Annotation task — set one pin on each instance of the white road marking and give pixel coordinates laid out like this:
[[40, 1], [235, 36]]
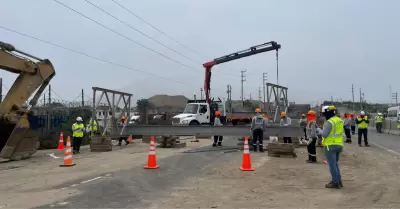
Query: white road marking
[[74, 185], [387, 149], [53, 156], [93, 179], [62, 203], [108, 175]]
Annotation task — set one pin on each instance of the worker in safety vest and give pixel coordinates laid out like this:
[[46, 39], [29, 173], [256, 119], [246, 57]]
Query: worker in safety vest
[[347, 127], [77, 134], [379, 122], [258, 126], [362, 125], [398, 121], [217, 122], [303, 124], [333, 145], [352, 124], [286, 121], [92, 129], [311, 131]]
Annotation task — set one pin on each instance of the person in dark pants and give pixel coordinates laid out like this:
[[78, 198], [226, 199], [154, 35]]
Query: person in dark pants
[[362, 125], [286, 121], [352, 124], [347, 127], [258, 125], [217, 122], [303, 124], [379, 121], [311, 129], [77, 134]]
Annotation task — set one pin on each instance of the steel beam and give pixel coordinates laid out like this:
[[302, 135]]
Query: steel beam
[[182, 130]]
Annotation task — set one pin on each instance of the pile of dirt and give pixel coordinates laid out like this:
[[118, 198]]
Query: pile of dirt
[[168, 101]]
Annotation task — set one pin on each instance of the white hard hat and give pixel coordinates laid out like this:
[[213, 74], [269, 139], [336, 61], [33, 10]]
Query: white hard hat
[[79, 119], [325, 108], [362, 113], [379, 113]]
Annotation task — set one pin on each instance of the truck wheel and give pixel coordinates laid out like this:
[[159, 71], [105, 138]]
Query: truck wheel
[[194, 123], [235, 122]]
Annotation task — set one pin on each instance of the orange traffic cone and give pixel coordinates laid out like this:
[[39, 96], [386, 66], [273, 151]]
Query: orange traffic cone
[[68, 155], [246, 161], [61, 142], [130, 139], [151, 159]]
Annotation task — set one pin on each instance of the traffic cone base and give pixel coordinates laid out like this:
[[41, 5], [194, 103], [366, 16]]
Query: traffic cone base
[[68, 165]]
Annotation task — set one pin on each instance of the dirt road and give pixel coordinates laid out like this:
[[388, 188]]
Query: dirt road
[[204, 180]]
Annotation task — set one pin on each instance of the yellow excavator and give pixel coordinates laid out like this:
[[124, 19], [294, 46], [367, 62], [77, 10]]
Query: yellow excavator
[[17, 139]]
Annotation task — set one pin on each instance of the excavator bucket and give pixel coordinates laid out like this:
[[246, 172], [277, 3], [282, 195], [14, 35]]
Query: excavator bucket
[[17, 139]]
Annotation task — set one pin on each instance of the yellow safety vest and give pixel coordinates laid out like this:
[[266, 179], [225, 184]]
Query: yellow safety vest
[[379, 119], [398, 125], [94, 128], [335, 136], [78, 133], [363, 124]]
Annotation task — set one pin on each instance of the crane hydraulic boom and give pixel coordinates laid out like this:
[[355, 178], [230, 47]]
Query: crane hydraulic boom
[[17, 140], [234, 56]]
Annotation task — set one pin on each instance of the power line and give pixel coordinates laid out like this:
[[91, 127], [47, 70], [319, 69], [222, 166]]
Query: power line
[[126, 37], [137, 30], [92, 57], [155, 28]]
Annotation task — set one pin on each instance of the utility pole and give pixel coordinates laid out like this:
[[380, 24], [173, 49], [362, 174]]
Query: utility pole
[[201, 93], [83, 99], [361, 100], [265, 75], [242, 79], [259, 96], [352, 92], [277, 68], [49, 94], [229, 92], [390, 90], [1, 90], [395, 98]]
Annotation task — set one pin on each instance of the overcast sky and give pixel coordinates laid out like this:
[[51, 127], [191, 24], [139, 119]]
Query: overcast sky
[[326, 45]]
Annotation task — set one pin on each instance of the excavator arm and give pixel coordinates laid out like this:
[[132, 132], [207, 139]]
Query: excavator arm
[[34, 75]]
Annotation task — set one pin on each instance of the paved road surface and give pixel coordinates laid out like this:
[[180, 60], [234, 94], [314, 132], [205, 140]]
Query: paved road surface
[[385, 141]]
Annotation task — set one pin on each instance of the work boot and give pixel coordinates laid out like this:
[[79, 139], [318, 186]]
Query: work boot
[[214, 144], [331, 185], [359, 145], [367, 145], [219, 144], [255, 148], [261, 148], [340, 184]]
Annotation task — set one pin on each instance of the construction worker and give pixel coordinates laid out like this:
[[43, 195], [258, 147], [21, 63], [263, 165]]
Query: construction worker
[[217, 122], [92, 129], [362, 125], [333, 145], [303, 124], [77, 134], [286, 121], [352, 124], [347, 127], [123, 119], [258, 126], [378, 122], [311, 131]]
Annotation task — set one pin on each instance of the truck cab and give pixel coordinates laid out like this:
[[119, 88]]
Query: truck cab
[[199, 112]]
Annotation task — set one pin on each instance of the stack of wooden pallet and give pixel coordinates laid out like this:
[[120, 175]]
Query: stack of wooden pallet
[[277, 149]]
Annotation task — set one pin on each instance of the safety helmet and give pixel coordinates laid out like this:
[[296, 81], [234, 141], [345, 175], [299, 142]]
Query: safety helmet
[[79, 119], [303, 115], [362, 113], [283, 114], [258, 110], [379, 113], [311, 112], [217, 113]]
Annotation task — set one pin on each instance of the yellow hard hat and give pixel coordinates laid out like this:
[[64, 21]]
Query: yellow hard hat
[[258, 110]]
